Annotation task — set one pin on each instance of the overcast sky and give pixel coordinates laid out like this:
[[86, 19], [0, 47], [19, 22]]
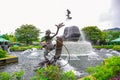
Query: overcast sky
[[44, 14]]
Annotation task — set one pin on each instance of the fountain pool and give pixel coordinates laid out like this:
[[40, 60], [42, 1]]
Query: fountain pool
[[28, 60], [79, 63], [76, 56]]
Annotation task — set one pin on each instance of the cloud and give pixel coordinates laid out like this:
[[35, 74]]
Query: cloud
[[113, 14], [116, 12]]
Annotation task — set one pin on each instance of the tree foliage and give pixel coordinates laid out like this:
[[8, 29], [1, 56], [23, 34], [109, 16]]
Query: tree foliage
[[92, 33], [27, 33], [107, 36], [2, 53], [113, 34], [10, 37]]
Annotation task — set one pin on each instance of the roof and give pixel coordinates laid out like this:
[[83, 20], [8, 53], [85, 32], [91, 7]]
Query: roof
[[3, 40], [116, 40]]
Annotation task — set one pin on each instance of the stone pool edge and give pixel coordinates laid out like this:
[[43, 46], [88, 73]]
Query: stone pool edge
[[9, 59]]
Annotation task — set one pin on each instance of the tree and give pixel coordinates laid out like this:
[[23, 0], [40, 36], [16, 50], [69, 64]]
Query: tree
[[10, 37], [92, 33], [27, 33], [111, 35], [6, 36]]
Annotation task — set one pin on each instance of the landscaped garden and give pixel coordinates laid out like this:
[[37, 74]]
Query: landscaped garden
[[109, 68]]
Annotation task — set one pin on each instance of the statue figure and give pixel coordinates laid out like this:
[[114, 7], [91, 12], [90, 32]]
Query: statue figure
[[58, 48], [48, 40], [68, 14]]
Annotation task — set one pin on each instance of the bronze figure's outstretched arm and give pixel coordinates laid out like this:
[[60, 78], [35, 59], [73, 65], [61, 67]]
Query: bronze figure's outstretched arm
[[58, 27]]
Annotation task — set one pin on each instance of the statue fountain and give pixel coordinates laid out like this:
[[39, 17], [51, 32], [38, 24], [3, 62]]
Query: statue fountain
[[71, 48], [70, 53], [75, 54]]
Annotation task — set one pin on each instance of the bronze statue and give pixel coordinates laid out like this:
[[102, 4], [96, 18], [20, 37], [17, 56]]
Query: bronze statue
[[68, 14], [48, 39], [58, 48]]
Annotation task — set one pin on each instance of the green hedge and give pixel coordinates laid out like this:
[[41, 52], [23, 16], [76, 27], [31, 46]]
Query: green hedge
[[2, 53], [109, 68], [22, 48], [104, 46], [114, 47]]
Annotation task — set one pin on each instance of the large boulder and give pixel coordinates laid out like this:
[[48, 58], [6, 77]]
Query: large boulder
[[71, 33]]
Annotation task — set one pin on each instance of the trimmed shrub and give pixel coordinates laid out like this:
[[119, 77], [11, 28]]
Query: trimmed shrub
[[53, 73], [104, 46], [2, 53], [116, 48], [109, 68], [22, 48], [13, 76]]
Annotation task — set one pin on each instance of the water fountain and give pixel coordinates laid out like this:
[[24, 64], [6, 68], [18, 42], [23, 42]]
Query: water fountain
[[79, 58], [76, 55], [80, 50]]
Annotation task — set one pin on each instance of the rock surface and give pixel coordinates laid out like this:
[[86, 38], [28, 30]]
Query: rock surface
[[71, 33]]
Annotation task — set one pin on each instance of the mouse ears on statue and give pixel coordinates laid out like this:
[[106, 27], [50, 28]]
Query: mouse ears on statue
[[48, 31]]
